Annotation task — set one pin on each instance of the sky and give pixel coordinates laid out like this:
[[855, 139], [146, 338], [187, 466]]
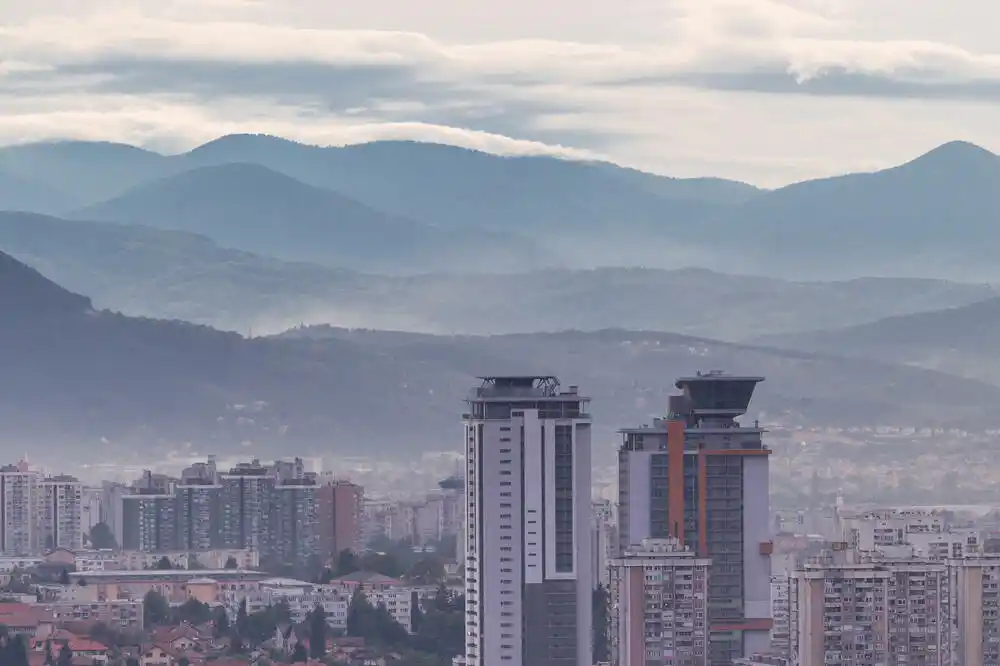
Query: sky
[[765, 91]]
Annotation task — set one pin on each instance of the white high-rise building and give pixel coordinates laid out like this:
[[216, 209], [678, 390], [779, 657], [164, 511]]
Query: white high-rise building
[[60, 513], [528, 533], [659, 605], [18, 488]]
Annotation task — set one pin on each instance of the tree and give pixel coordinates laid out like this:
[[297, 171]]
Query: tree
[[193, 611], [221, 622], [317, 632], [50, 660], [426, 571], [600, 601], [102, 538], [416, 614], [299, 654], [360, 616], [155, 609], [183, 661], [235, 644], [64, 577], [242, 619], [164, 564], [231, 563], [347, 563], [383, 563], [65, 656]]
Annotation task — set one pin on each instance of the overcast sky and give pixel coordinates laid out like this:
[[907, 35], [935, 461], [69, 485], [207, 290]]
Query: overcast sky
[[767, 91]]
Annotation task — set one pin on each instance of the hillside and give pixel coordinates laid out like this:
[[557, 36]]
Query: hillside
[[20, 193], [175, 275], [74, 377], [961, 340], [934, 215], [252, 208]]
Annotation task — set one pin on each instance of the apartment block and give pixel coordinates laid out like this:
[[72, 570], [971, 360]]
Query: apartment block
[[701, 477], [659, 602], [246, 495], [871, 609], [928, 532], [18, 490], [199, 514], [975, 583], [296, 522], [59, 513], [149, 522], [339, 513]]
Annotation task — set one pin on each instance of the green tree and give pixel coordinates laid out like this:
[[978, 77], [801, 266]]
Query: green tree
[[600, 601], [231, 563], [221, 621], [64, 577], [183, 661], [65, 656], [347, 563], [317, 632], [155, 609], [360, 616], [389, 632], [426, 571], [164, 564], [102, 538], [299, 654], [416, 613], [193, 611], [16, 651], [242, 619], [383, 563]]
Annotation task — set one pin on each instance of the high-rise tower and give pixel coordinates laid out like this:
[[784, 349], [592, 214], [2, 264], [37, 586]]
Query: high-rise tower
[[528, 502], [701, 477]]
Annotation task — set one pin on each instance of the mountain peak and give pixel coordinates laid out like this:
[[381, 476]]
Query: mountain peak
[[955, 153], [25, 292]]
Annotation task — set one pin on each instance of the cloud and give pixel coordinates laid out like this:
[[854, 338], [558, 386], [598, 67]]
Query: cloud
[[170, 73]]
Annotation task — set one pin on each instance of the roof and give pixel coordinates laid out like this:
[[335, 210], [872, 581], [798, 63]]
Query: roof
[[80, 644], [367, 577], [139, 574]]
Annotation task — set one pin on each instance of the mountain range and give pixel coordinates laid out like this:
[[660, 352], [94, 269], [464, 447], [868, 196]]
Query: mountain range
[[169, 274], [464, 211], [79, 376]]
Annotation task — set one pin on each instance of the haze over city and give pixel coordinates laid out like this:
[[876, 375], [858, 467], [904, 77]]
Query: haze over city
[[499, 334]]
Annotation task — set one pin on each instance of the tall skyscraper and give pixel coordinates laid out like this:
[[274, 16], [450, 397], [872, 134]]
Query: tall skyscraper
[[528, 581], [701, 477], [659, 605], [149, 521], [975, 585], [18, 488], [59, 512], [339, 511], [199, 512]]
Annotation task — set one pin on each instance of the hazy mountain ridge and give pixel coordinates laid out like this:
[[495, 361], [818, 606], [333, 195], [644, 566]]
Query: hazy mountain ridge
[[84, 376], [250, 207], [929, 217], [176, 275], [961, 340]]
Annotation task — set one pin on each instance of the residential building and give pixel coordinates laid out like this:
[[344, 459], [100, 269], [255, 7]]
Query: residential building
[[701, 477], [246, 494], [659, 602], [120, 614], [18, 490], [339, 512], [528, 578], [296, 522], [111, 507], [59, 513], [149, 522], [975, 580], [199, 514], [870, 609], [927, 531]]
